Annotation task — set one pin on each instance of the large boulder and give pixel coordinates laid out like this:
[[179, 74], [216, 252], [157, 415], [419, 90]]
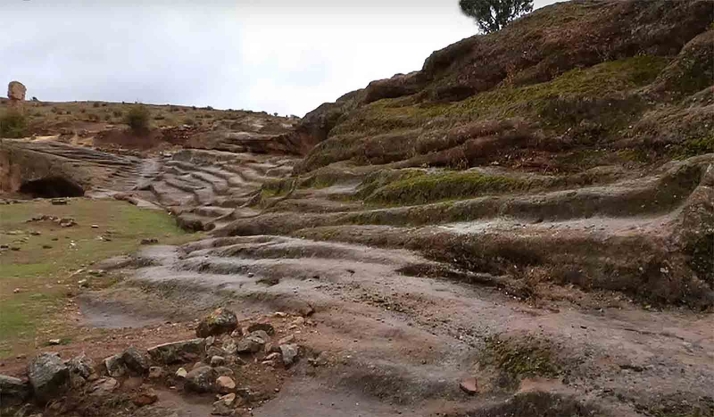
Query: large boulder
[[202, 379], [220, 321], [16, 91], [178, 352], [13, 391], [48, 376]]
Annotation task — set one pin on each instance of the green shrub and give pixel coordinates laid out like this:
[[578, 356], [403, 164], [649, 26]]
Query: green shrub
[[13, 124], [138, 119]]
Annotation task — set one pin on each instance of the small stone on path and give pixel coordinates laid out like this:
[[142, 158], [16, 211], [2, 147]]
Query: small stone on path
[[469, 386]]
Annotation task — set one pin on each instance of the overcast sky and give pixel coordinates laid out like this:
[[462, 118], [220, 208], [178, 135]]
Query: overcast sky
[[285, 56]]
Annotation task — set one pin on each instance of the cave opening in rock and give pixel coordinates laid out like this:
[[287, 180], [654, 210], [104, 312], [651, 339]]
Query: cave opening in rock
[[51, 187]]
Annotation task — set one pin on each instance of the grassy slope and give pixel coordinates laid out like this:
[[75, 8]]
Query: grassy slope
[[32, 316]]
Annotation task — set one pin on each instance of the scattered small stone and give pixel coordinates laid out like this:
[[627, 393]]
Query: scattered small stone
[[94, 226], [35, 233], [156, 372], [136, 360], [289, 353], [115, 366], [319, 360], [15, 249], [81, 365], [16, 290], [181, 373], [218, 361], [210, 340], [225, 384], [287, 340], [46, 246], [54, 342], [266, 327], [104, 386], [201, 380], [213, 351], [272, 356], [58, 202], [229, 347], [151, 241], [224, 371], [220, 321], [280, 314], [469, 386], [68, 222], [220, 408], [237, 332], [147, 397], [229, 399], [83, 283], [178, 352], [261, 334], [250, 344], [4, 246]]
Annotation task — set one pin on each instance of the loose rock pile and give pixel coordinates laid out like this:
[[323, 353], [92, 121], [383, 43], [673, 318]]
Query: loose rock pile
[[208, 364]]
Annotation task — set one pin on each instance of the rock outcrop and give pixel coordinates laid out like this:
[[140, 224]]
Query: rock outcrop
[[16, 93]]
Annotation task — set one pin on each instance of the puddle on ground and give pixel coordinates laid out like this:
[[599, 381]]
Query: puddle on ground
[[106, 316]]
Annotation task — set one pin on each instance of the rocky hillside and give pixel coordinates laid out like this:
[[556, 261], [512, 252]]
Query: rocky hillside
[[102, 125], [524, 227], [599, 114], [569, 87]]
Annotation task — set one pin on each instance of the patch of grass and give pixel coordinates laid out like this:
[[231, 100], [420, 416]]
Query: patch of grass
[[518, 358], [607, 79], [384, 177], [41, 270], [694, 147], [422, 189]]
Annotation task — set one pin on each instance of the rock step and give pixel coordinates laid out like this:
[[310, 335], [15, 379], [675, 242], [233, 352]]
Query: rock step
[[213, 211], [218, 184], [195, 222], [171, 196]]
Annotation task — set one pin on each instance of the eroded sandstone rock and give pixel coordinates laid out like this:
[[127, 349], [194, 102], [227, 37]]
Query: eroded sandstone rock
[[16, 91], [201, 380]]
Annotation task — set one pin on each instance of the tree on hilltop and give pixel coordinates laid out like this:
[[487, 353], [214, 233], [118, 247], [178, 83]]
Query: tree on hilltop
[[493, 15]]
